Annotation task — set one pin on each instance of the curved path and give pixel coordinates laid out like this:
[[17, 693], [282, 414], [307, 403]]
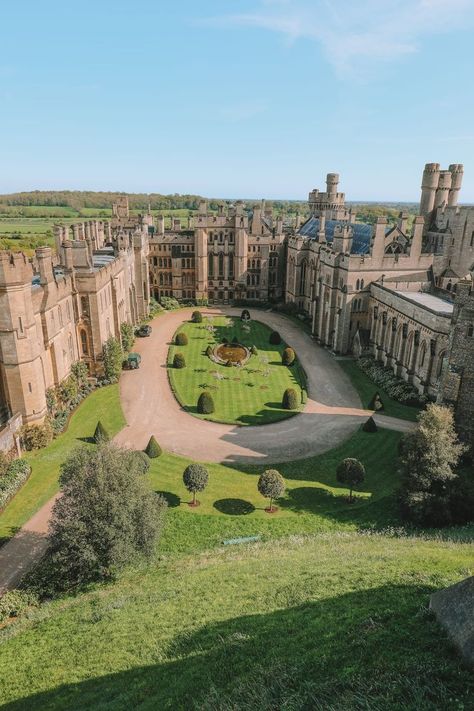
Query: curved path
[[332, 413]]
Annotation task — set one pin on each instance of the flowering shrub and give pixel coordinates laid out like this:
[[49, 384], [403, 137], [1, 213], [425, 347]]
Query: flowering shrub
[[393, 385], [17, 473]]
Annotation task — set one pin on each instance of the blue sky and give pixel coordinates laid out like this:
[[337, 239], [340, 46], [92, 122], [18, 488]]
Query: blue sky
[[248, 98]]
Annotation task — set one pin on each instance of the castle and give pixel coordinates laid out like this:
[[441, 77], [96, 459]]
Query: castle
[[402, 296]]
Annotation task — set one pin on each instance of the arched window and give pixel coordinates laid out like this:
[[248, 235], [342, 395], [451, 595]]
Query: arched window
[[211, 265], [470, 331], [231, 265], [439, 369], [84, 306], [221, 264], [248, 279], [357, 285], [361, 283], [422, 355], [161, 279], [84, 344]]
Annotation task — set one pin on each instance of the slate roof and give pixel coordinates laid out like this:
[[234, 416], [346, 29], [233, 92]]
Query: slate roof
[[361, 233]]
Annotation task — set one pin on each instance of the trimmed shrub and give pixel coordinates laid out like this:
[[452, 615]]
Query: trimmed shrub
[[245, 315], [225, 341], [304, 397], [350, 472], [376, 403], [168, 303], [179, 360], [205, 403], [127, 336], [143, 462], [196, 317], [271, 485], [229, 364], [209, 351], [235, 340], [254, 350], [195, 478], [36, 436], [369, 425], [15, 476], [100, 434], [14, 602], [275, 338], [290, 399], [153, 449], [113, 357], [181, 339], [288, 356]]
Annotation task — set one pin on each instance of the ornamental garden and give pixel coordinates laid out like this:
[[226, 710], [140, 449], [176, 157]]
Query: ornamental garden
[[236, 371]]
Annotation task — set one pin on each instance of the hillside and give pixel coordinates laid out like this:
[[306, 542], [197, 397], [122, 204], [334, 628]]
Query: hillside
[[335, 621]]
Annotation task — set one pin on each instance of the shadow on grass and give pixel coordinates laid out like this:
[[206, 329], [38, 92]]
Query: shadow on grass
[[173, 500], [234, 507], [87, 440], [287, 658]]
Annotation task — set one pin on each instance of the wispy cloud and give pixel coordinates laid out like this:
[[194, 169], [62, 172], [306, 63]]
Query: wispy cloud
[[356, 34]]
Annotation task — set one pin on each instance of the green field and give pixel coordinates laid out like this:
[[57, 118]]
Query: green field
[[103, 404], [367, 389], [250, 395]]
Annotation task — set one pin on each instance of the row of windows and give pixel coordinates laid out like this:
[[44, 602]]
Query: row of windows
[[220, 265]]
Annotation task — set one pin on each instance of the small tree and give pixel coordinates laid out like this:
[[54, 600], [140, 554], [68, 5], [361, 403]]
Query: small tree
[[153, 449], [350, 472], [113, 358], [288, 356], [369, 425], [254, 350], [428, 459], [197, 317], [290, 399], [106, 516], [195, 478], [275, 338], [271, 485], [209, 351], [376, 403], [205, 403], [181, 339], [127, 336], [179, 360], [245, 315], [101, 435]]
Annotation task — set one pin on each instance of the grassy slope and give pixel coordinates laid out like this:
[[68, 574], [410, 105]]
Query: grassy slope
[[245, 396], [367, 388], [337, 621], [103, 404]]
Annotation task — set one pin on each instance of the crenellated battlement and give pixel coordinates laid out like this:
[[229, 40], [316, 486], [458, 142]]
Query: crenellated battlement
[[15, 269]]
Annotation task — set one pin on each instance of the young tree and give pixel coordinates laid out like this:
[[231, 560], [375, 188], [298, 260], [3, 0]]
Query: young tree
[[195, 478], [106, 516], [113, 357], [271, 485], [127, 336], [350, 472], [428, 458]]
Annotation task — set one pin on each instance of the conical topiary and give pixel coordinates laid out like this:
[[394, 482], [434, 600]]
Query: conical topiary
[[205, 403], [153, 449], [376, 403], [101, 434], [179, 360], [369, 425], [290, 399]]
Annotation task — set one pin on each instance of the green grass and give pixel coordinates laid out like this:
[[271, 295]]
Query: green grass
[[367, 389], [330, 622], [103, 404], [244, 395]]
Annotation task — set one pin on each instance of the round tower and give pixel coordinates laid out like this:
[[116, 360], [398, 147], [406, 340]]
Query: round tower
[[444, 187], [429, 186], [332, 181], [457, 172]]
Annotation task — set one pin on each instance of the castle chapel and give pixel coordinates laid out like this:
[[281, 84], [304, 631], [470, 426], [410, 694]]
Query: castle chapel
[[403, 296]]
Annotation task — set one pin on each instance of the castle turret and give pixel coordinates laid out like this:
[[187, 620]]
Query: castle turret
[[444, 188], [429, 186], [417, 236], [332, 181], [457, 172]]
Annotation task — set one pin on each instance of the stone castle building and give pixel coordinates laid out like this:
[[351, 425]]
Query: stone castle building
[[386, 291]]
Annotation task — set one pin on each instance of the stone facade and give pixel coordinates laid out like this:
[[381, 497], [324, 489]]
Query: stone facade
[[58, 309]]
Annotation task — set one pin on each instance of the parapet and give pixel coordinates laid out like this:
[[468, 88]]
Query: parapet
[[15, 268]]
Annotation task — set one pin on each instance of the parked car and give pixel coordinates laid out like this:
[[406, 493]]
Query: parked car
[[132, 362], [144, 331]]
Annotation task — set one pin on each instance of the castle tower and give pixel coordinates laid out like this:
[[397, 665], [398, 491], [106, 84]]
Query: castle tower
[[429, 186], [444, 188], [457, 172], [200, 246], [19, 346], [332, 181]]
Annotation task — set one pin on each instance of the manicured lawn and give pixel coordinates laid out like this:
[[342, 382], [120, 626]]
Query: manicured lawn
[[249, 395], [102, 404], [334, 621], [367, 389], [314, 500]]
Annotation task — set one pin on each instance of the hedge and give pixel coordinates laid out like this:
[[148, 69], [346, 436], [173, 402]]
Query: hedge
[[17, 473]]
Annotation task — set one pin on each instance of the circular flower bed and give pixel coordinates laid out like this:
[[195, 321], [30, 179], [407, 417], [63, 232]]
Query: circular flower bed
[[233, 353]]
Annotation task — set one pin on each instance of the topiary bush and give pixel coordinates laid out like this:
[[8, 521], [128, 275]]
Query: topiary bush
[[254, 350], [350, 472], [205, 403], [209, 351], [275, 338], [235, 340], [369, 425], [245, 315], [181, 339], [101, 435], [229, 364], [195, 478], [153, 449], [179, 360], [225, 341], [196, 317], [288, 356], [290, 399], [376, 403], [271, 485]]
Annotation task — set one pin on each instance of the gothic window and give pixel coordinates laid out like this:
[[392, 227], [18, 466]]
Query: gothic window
[[361, 283], [248, 279], [221, 264], [84, 345], [211, 265], [357, 285], [440, 364], [231, 265], [422, 355], [470, 331]]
